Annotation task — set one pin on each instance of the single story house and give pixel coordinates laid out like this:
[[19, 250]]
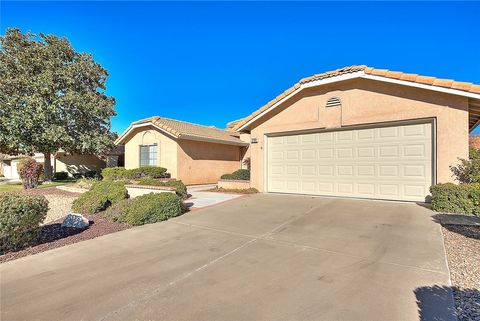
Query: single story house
[[66, 162], [361, 132], [194, 153]]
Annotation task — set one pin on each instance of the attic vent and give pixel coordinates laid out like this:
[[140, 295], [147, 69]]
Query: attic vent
[[333, 102]]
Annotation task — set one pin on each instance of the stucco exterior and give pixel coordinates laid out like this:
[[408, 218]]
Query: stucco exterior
[[367, 102], [193, 162], [166, 150], [203, 162], [77, 163]]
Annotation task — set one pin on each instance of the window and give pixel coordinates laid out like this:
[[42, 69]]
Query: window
[[148, 155]]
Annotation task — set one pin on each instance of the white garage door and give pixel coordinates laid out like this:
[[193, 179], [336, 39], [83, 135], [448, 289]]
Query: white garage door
[[392, 163]]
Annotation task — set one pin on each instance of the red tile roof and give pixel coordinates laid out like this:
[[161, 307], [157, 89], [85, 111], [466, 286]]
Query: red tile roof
[[438, 82]]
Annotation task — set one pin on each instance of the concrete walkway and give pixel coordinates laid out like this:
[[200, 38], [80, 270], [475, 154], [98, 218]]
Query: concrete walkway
[[200, 199], [261, 257]]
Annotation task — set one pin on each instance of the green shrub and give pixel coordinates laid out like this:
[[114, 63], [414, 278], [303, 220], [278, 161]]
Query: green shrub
[[120, 173], [20, 217], [146, 209], [241, 174], [180, 188], [117, 173], [468, 171], [451, 198], [149, 172], [60, 176], [99, 197], [29, 171], [85, 183]]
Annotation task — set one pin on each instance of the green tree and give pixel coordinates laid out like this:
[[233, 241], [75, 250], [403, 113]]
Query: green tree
[[51, 98]]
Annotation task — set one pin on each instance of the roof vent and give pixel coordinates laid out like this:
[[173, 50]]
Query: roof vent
[[333, 102]]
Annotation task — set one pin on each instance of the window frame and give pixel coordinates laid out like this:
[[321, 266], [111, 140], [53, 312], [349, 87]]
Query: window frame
[[149, 159]]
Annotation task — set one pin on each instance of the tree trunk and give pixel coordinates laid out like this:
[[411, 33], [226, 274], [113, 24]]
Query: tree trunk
[[47, 167]]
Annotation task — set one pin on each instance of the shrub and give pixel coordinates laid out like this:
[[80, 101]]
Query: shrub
[[451, 198], [117, 173], [60, 176], [146, 209], [468, 171], [241, 174], [20, 217], [30, 172], [180, 188], [149, 172], [85, 183], [99, 197]]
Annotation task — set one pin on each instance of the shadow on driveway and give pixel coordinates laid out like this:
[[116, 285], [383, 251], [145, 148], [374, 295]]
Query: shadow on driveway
[[435, 303]]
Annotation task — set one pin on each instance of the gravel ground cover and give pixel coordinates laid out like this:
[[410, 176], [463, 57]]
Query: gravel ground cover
[[59, 201], [462, 244], [52, 235]]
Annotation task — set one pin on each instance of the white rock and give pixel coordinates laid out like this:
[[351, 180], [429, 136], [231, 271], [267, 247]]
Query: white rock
[[75, 220]]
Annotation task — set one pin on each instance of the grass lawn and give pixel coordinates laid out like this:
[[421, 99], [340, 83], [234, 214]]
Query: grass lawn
[[18, 186]]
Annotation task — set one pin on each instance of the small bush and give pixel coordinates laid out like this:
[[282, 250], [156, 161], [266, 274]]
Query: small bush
[[180, 188], [468, 171], [241, 174], [60, 176], [146, 209], [20, 217], [120, 173], [85, 183], [99, 197], [451, 198], [149, 172], [29, 171], [117, 173]]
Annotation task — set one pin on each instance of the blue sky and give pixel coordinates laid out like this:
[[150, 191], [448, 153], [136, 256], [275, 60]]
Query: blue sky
[[213, 62]]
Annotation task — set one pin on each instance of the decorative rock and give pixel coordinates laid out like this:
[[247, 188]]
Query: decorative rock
[[75, 220]]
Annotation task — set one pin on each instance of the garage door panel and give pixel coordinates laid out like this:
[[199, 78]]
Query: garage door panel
[[387, 163]]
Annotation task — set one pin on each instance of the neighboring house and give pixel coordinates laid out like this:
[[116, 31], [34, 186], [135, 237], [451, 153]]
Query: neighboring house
[[361, 132], [193, 153], [65, 162], [474, 141]]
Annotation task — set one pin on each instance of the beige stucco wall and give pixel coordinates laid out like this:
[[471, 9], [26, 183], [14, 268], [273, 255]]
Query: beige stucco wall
[[78, 163], [366, 102], [202, 162], [166, 150]]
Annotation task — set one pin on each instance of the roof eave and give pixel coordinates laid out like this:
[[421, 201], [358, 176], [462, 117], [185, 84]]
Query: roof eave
[[212, 140], [121, 138], [353, 75]]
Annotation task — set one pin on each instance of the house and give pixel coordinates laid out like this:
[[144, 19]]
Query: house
[[194, 153], [66, 162], [361, 132]]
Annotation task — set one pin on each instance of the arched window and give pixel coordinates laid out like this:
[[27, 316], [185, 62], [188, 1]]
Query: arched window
[[333, 102]]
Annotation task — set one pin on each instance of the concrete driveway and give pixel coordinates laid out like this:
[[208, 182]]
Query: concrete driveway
[[264, 257]]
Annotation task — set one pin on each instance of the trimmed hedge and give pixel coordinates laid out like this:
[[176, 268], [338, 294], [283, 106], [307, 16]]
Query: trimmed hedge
[[99, 197], [180, 188], [117, 173], [20, 218], [241, 175], [452, 198], [60, 176], [120, 173], [146, 209]]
